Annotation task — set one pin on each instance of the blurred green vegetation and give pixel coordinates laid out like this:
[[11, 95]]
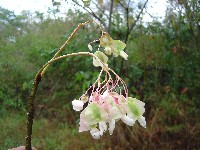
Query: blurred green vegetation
[[162, 70]]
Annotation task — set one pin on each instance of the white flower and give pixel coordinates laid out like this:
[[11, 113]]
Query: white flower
[[123, 55], [108, 107], [77, 105], [128, 120], [135, 110], [95, 133]]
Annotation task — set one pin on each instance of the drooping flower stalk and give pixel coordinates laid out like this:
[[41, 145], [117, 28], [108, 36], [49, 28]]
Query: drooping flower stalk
[[108, 101]]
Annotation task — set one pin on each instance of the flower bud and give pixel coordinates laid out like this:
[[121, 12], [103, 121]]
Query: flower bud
[[77, 105]]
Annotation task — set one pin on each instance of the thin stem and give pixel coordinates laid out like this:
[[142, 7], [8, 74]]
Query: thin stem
[[78, 54], [30, 112], [122, 81]]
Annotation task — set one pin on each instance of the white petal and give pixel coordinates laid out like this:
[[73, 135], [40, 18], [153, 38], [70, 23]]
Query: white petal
[[142, 121], [140, 103], [123, 55], [77, 105], [90, 47], [128, 120], [95, 133], [111, 126], [102, 127]]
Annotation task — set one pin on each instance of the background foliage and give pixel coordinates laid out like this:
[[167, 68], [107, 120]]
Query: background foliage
[[162, 70]]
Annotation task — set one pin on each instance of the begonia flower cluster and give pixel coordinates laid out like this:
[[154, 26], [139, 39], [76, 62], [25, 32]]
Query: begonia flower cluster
[[104, 110]]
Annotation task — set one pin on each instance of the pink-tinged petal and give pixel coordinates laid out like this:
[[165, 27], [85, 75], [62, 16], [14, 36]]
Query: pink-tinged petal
[[83, 123], [114, 94], [77, 105], [116, 100], [83, 127], [96, 97]]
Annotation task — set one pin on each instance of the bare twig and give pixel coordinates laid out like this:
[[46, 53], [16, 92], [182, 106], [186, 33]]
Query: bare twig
[[110, 16], [130, 29], [122, 5], [102, 11], [90, 12], [137, 18]]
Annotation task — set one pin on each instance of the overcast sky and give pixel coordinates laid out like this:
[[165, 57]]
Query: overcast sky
[[155, 7]]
